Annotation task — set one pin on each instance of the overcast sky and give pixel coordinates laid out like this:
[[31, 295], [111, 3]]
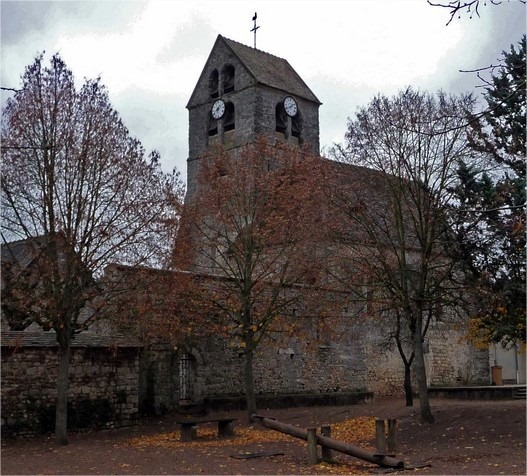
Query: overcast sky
[[150, 54]]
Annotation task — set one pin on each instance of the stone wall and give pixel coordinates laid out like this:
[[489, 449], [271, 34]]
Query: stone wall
[[159, 377], [103, 390], [358, 360], [216, 370], [450, 360]]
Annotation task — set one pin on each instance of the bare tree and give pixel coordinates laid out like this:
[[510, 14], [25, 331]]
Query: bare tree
[[81, 193], [396, 241], [251, 229], [471, 7]]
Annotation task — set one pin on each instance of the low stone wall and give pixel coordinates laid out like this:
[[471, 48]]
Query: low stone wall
[[487, 392], [289, 400], [103, 389]]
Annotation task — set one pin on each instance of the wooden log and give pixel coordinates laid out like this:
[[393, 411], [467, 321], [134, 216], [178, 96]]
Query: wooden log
[[345, 448]]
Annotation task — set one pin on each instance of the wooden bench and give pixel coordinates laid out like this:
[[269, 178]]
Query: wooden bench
[[189, 430]]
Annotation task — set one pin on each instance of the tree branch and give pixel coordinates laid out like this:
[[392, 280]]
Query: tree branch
[[472, 7]]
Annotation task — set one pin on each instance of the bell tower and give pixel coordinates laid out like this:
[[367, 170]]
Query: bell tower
[[243, 93]]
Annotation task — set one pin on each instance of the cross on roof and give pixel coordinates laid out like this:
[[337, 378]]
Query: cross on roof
[[255, 27]]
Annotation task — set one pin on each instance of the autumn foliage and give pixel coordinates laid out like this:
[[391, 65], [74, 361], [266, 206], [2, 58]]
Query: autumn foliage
[[253, 228], [81, 193]]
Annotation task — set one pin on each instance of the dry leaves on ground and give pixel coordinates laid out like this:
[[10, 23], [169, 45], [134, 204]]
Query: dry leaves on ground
[[208, 437], [355, 431]]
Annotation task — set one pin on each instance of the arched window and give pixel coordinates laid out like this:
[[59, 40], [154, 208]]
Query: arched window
[[214, 83], [228, 121], [228, 78], [186, 378]]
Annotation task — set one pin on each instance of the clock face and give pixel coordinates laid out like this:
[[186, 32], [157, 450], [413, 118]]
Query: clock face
[[218, 108], [290, 106]]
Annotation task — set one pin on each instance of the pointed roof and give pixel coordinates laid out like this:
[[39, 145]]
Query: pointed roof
[[271, 70], [266, 69]]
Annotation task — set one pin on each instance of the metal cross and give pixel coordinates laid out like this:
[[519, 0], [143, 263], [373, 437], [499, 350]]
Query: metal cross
[[255, 28]]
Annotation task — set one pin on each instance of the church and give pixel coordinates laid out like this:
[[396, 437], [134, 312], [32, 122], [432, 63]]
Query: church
[[241, 95]]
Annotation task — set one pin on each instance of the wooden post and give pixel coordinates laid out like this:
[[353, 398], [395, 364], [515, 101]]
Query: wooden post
[[225, 428], [189, 432], [312, 446], [391, 440], [380, 437], [327, 454]]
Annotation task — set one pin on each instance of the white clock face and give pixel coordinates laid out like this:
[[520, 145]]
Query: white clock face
[[290, 106], [218, 108]]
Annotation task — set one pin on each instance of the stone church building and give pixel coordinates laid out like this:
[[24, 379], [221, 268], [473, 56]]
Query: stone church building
[[242, 94]]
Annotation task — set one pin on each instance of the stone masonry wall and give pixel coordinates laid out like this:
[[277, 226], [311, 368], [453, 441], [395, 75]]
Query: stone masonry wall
[[356, 357], [297, 367], [359, 360], [454, 361], [103, 390], [450, 360]]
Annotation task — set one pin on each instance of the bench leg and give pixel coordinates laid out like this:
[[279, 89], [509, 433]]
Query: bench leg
[[225, 428], [188, 432]]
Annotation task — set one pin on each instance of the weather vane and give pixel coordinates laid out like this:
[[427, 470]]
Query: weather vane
[[255, 28]]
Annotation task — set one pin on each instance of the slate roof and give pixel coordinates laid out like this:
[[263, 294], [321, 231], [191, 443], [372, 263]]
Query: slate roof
[[48, 339], [265, 68], [271, 70], [365, 188]]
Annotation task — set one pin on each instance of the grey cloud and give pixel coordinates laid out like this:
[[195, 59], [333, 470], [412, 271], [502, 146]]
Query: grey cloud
[[192, 38], [22, 18], [159, 121]]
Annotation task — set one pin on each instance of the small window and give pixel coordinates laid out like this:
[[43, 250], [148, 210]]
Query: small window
[[229, 122], [214, 82], [228, 78]]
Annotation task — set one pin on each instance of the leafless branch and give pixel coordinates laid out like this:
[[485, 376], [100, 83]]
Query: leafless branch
[[471, 7], [490, 210], [473, 119], [490, 67], [23, 147]]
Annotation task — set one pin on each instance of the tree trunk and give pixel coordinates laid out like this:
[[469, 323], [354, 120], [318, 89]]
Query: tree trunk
[[408, 392], [420, 370], [250, 396], [407, 362], [61, 409]]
